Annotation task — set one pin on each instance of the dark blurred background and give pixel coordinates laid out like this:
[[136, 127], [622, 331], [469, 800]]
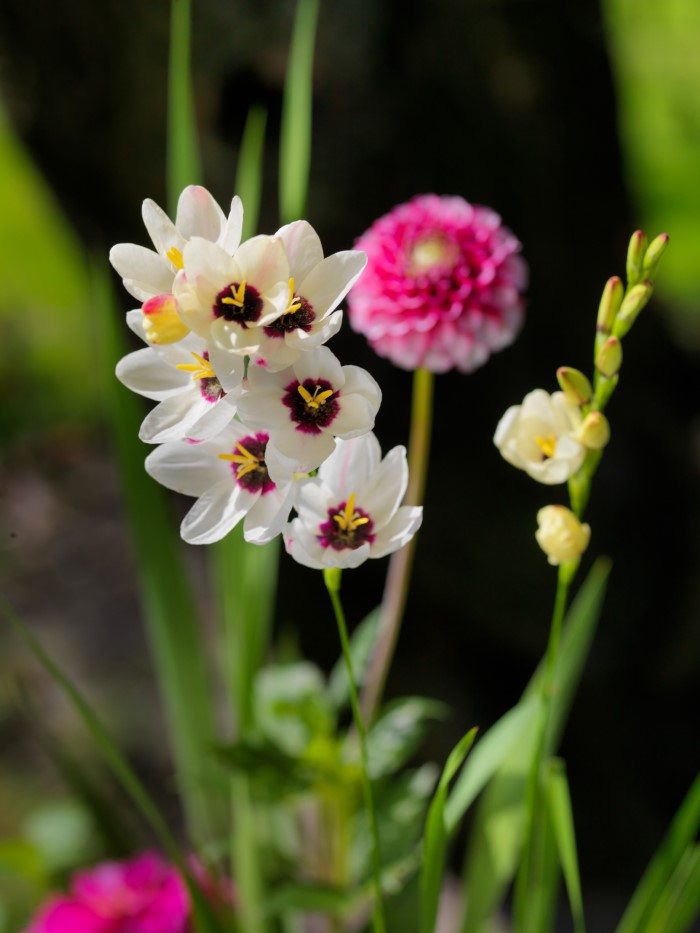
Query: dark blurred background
[[578, 122]]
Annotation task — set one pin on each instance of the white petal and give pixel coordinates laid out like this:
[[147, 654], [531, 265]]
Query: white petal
[[144, 371], [280, 468], [263, 408], [204, 261], [320, 333], [399, 531], [303, 248], [134, 320], [355, 417], [353, 461], [313, 499], [231, 236], [269, 515], [301, 546], [358, 381], [215, 417], [143, 268], [198, 214], [386, 488], [160, 228], [189, 468], [330, 281], [262, 262], [215, 513], [170, 420], [320, 363], [308, 450]]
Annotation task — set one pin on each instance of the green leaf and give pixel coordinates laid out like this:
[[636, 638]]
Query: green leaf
[[664, 864], [497, 834], [436, 836], [292, 706], [313, 898], [562, 817], [398, 732], [362, 643], [183, 167], [295, 138], [679, 904], [249, 172], [22, 858]]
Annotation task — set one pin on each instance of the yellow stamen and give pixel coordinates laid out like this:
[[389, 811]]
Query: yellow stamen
[[238, 296], [202, 369], [175, 257], [349, 519], [547, 445], [294, 303], [245, 459], [315, 400]]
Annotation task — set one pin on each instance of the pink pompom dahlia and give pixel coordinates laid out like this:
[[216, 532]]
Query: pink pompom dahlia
[[443, 285], [142, 895]]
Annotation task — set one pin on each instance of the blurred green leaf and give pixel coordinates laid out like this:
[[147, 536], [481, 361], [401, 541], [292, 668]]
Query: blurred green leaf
[[665, 862], [22, 858], [292, 706], [562, 817], [436, 836], [398, 732], [182, 158], [62, 831], [362, 642], [249, 172], [679, 904], [310, 898]]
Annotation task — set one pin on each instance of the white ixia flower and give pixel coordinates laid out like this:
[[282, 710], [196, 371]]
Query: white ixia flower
[[560, 534], [316, 287], [230, 475], [148, 273], [541, 436], [350, 511], [304, 408], [197, 386], [228, 299]]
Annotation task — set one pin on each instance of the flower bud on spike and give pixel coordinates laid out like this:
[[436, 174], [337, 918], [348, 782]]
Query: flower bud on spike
[[609, 359], [594, 432], [653, 255], [560, 534], [610, 302], [635, 257], [635, 299], [575, 385]]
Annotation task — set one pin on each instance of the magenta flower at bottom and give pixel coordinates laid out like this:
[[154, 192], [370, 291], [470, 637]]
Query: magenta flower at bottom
[[142, 895], [443, 285]]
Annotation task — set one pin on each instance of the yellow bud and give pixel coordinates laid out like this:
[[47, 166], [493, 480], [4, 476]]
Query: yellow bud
[[610, 302], [609, 359], [560, 534], [653, 255], [635, 257], [575, 385], [594, 432], [635, 299]]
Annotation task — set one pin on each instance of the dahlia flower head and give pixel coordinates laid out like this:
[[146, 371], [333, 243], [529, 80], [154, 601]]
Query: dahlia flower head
[[142, 895], [250, 400], [443, 285]]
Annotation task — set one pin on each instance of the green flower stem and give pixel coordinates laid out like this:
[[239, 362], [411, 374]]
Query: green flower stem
[[332, 579], [399, 573], [183, 164]]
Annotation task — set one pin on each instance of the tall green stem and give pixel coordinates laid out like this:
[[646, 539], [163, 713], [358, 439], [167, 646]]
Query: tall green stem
[[332, 578], [401, 563]]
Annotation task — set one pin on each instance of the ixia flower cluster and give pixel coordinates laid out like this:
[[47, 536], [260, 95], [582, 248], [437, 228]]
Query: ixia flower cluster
[[255, 415]]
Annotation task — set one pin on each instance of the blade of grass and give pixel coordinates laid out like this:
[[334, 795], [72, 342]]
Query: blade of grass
[[561, 812], [497, 834], [664, 863], [249, 174], [436, 837], [538, 912], [295, 134], [678, 905], [172, 624], [182, 155], [117, 763]]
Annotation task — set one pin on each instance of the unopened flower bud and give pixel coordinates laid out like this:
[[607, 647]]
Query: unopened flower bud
[[653, 255], [560, 534], [635, 299], [609, 359], [594, 432], [610, 302], [575, 385], [635, 257]]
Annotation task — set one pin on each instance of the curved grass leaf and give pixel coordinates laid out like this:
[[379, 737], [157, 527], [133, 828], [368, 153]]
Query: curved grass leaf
[[249, 173], [562, 817]]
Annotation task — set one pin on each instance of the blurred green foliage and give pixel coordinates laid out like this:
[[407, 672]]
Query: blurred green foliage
[[654, 52], [48, 370]]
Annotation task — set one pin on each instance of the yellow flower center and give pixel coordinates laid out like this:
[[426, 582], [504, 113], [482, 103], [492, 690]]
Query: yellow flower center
[[202, 369], [431, 251], [315, 400], [175, 257], [349, 519], [237, 296], [547, 445], [294, 303], [245, 459]]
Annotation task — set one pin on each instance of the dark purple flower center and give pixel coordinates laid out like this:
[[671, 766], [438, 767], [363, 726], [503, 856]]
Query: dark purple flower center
[[209, 386], [248, 463], [346, 528], [313, 404], [238, 302], [298, 316]]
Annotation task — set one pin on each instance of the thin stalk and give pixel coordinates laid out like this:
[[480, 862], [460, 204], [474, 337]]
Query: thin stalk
[[401, 562], [332, 578]]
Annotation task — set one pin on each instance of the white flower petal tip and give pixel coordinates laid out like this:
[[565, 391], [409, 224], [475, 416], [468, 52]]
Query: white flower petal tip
[[560, 534], [342, 520], [541, 437]]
